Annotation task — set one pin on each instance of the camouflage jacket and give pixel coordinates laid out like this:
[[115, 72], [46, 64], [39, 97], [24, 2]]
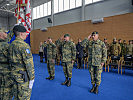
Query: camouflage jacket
[[3, 56], [108, 48], [124, 49], [58, 46], [68, 51], [20, 58], [51, 51], [130, 49], [97, 52], [115, 49]]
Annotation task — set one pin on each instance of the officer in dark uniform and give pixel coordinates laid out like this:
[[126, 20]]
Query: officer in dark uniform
[[79, 53]]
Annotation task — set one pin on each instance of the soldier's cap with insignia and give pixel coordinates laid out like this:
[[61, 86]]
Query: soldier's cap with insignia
[[124, 40], [114, 38], [119, 39], [19, 28], [49, 38], [95, 32], [3, 30], [66, 35]]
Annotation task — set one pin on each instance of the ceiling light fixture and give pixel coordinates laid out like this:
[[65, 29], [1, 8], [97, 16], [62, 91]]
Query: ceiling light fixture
[[7, 4]]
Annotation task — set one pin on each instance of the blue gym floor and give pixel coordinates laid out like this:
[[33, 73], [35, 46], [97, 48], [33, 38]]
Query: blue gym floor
[[113, 86]]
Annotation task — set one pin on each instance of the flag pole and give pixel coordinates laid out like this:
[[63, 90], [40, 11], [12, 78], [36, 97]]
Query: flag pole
[[18, 12]]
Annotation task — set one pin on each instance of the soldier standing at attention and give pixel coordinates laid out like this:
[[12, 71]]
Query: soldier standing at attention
[[121, 45], [21, 64], [68, 58], [115, 48], [80, 53], [107, 46], [130, 48], [124, 48], [41, 52], [51, 55], [58, 46], [97, 57], [5, 73], [45, 50]]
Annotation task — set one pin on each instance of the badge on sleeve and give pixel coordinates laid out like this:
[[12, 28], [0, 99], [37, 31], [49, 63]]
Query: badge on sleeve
[[28, 51]]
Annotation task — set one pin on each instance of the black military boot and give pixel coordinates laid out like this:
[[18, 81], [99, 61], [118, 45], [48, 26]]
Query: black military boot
[[96, 89], [93, 88], [69, 82], [48, 78], [65, 82], [52, 78]]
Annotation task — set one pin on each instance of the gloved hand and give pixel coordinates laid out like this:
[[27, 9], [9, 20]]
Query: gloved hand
[[31, 84]]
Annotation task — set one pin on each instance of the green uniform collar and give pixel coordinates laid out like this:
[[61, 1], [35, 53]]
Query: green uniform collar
[[96, 41], [17, 38]]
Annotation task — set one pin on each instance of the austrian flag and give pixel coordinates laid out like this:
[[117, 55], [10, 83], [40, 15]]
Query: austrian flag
[[23, 13]]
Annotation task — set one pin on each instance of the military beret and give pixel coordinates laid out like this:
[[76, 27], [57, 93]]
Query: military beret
[[3, 30], [66, 35], [105, 38], [124, 40], [49, 37], [119, 39], [95, 32], [19, 28], [114, 38]]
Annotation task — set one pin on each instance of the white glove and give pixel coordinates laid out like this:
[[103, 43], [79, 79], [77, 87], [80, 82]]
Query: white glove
[[31, 84]]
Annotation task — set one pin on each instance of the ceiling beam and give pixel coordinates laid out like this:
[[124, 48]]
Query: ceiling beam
[[7, 10]]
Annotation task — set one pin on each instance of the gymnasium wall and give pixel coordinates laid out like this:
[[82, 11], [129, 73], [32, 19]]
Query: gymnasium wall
[[104, 8], [120, 26]]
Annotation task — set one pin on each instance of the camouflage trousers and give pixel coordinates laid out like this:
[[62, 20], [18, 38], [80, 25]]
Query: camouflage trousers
[[95, 72], [51, 68], [6, 84], [67, 68], [58, 58], [21, 91]]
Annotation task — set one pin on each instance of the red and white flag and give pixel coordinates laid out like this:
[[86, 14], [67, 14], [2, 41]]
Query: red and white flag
[[24, 15]]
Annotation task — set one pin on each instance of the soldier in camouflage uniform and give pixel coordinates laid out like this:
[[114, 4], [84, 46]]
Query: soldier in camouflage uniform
[[115, 48], [97, 57], [130, 48], [6, 81], [107, 46], [58, 55], [21, 64], [51, 55], [121, 45], [68, 58], [124, 48]]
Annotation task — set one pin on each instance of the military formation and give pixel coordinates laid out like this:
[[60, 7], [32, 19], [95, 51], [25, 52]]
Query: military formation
[[66, 53], [16, 66]]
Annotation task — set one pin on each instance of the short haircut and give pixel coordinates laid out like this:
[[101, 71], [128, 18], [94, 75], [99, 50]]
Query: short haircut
[[16, 33]]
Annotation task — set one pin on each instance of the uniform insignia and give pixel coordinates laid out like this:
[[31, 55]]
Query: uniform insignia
[[28, 51]]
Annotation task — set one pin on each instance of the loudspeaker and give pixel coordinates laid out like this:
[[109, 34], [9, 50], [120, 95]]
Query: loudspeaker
[[49, 20]]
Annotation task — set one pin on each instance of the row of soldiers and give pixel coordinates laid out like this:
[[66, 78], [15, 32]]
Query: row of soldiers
[[119, 48], [66, 51], [115, 48], [16, 65]]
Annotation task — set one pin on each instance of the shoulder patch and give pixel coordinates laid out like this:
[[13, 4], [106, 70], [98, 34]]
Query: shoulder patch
[[28, 51]]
